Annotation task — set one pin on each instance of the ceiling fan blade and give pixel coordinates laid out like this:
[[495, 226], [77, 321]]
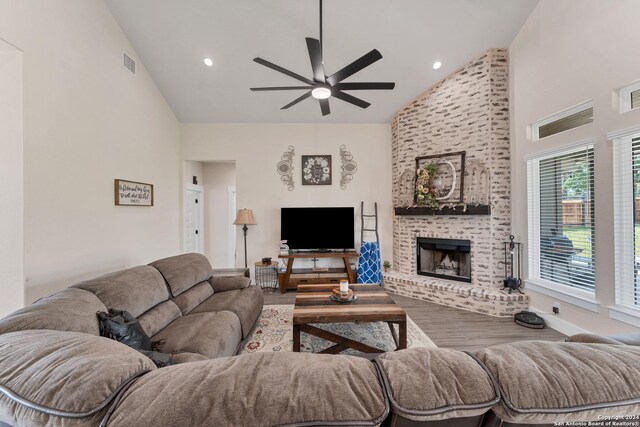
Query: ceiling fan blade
[[357, 65], [315, 55], [365, 86], [324, 106], [282, 70], [295, 101], [350, 99], [259, 89]]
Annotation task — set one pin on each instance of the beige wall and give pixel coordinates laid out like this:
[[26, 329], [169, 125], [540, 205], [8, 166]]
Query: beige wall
[[257, 148], [11, 180], [569, 52], [87, 121], [217, 178], [191, 169]]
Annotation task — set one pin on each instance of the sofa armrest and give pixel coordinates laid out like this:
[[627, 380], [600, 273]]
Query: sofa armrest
[[231, 272], [221, 284], [632, 338], [592, 339]]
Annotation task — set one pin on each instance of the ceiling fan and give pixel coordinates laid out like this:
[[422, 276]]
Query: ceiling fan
[[321, 86]]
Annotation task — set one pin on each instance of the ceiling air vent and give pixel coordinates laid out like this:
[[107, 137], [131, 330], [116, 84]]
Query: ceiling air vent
[[128, 63], [563, 121]]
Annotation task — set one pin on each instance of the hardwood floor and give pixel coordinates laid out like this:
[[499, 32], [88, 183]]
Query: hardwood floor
[[454, 328]]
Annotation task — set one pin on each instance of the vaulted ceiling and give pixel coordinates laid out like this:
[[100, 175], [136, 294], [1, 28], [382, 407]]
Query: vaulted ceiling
[[173, 38]]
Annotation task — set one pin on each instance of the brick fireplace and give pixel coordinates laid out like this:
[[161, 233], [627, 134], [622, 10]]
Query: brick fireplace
[[468, 111], [444, 258]]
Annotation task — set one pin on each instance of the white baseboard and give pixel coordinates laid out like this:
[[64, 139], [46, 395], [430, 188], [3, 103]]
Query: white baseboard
[[558, 324]]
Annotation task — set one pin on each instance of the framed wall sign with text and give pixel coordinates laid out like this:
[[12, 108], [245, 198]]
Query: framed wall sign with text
[[131, 193]]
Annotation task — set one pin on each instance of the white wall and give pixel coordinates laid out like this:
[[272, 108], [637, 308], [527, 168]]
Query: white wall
[[191, 169], [566, 53], [217, 178], [11, 180], [87, 121], [257, 149]]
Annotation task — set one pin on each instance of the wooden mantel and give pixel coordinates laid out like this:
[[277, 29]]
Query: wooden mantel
[[445, 210]]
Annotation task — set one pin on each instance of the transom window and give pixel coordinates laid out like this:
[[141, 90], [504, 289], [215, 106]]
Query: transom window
[[568, 119], [629, 97]]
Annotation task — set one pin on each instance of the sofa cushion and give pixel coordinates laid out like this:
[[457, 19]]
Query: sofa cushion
[[431, 384], [188, 357], [135, 290], [156, 319], [68, 310], [184, 271], [191, 298], [63, 378], [549, 382], [245, 303], [260, 389], [210, 334]]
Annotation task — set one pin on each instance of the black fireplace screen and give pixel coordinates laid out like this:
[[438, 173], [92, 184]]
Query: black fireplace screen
[[444, 258]]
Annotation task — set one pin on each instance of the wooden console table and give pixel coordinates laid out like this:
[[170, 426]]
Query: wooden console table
[[285, 281]]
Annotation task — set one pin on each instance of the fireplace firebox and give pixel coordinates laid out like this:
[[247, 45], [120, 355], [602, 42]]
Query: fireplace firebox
[[444, 258]]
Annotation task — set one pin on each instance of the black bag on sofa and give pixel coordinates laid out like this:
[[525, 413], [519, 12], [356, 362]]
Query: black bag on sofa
[[123, 327]]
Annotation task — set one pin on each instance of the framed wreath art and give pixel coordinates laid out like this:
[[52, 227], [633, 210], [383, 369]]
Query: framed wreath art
[[316, 170], [440, 179]]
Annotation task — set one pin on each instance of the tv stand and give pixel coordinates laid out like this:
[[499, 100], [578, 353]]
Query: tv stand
[[307, 275]]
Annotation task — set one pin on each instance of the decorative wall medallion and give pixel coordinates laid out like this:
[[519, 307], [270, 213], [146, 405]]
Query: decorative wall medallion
[[285, 168], [316, 170], [476, 183], [406, 188], [349, 167]]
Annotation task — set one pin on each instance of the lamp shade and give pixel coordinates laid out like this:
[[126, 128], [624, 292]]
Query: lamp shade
[[245, 217]]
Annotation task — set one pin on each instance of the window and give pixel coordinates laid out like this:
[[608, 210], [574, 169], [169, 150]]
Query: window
[[561, 219], [635, 99], [627, 220], [629, 97], [563, 121]]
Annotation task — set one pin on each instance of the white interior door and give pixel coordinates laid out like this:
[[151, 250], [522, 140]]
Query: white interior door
[[193, 219], [231, 193]]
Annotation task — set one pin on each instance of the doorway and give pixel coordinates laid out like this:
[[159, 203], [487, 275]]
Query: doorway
[[231, 200], [12, 275], [219, 182], [193, 219]]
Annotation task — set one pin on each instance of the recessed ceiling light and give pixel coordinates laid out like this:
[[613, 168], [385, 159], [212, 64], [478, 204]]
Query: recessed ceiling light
[[208, 62], [437, 65], [321, 92]]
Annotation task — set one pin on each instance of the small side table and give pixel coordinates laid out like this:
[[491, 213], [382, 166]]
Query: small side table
[[267, 275]]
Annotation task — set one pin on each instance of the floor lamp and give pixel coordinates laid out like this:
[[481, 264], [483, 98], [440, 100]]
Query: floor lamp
[[245, 217]]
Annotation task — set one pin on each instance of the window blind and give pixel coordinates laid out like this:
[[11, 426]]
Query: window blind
[[635, 99], [567, 122], [562, 218], [626, 195]]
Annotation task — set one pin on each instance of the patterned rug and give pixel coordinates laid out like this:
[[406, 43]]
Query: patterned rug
[[273, 332]]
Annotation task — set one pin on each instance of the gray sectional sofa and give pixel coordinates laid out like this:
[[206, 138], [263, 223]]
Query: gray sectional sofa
[[55, 369]]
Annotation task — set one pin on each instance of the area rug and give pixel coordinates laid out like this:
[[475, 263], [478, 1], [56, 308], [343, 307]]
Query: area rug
[[273, 332]]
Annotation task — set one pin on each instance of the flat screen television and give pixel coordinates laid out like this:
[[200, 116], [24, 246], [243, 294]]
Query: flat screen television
[[317, 228]]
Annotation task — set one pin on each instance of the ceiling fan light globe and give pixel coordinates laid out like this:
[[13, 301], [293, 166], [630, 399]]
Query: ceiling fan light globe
[[321, 92]]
